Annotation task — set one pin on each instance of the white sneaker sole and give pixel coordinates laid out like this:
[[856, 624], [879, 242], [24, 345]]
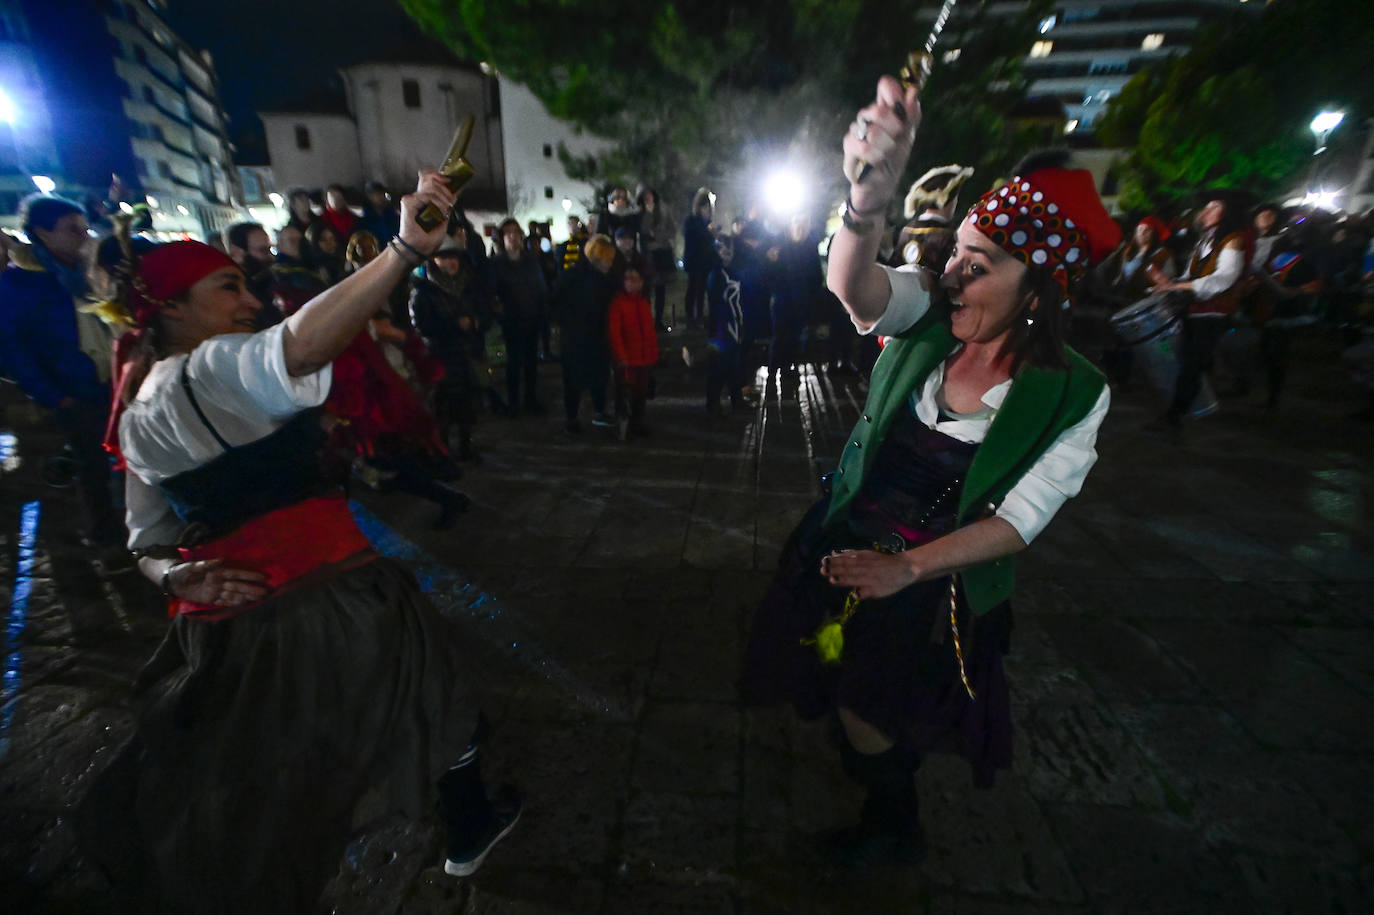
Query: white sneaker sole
[[468, 868]]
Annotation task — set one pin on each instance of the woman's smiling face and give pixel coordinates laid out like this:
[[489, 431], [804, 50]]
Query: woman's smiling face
[[986, 287], [217, 304]]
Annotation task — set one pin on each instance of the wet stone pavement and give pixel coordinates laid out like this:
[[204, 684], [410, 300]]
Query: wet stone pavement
[[1192, 673]]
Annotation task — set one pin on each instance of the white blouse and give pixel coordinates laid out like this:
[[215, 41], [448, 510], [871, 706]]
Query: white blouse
[[242, 385], [1055, 477]]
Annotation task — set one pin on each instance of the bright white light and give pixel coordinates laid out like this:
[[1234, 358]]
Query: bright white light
[[567, 205], [153, 202], [1071, 126], [1326, 200], [44, 184], [181, 208], [1152, 41], [711, 195], [784, 191], [1327, 121], [952, 55], [8, 113], [1048, 23], [1041, 49], [277, 199], [126, 206]]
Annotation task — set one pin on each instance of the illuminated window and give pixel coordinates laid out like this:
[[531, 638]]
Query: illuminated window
[[1071, 126], [952, 55], [1048, 23], [1042, 49], [1152, 41]]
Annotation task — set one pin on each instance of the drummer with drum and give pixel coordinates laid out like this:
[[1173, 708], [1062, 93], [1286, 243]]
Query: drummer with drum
[[1215, 267], [1124, 279]]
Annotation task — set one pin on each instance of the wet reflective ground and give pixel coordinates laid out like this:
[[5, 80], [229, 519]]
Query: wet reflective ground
[[1191, 673]]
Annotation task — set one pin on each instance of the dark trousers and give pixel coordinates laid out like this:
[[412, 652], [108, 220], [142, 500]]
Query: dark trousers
[[576, 380], [1274, 351], [723, 373], [660, 300], [1199, 346], [788, 324], [83, 424], [696, 294], [631, 393], [522, 363]]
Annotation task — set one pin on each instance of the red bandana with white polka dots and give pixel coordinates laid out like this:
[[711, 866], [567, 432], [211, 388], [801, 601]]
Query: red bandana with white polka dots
[[1022, 220]]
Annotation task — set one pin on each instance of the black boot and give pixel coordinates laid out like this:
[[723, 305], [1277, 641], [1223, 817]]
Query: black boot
[[473, 823], [889, 827]]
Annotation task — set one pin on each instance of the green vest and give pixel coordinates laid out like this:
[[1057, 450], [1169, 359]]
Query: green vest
[[1041, 404]]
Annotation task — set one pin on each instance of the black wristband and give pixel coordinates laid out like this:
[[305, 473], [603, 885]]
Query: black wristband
[[167, 582], [854, 223], [422, 257], [857, 213]]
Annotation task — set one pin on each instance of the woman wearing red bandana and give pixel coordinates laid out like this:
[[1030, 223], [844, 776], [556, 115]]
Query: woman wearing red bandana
[[301, 670], [890, 608]]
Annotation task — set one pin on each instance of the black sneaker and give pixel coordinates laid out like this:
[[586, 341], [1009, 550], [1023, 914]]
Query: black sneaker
[[505, 813]]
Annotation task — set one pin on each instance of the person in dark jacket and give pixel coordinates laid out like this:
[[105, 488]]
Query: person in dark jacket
[[451, 310], [380, 216], [303, 214], [581, 302], [522, 300], [698, 253], [40, 347], [656, 241], [798, 282], [725, 329]]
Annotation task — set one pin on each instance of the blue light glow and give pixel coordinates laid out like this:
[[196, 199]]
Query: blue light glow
[[19, 612]]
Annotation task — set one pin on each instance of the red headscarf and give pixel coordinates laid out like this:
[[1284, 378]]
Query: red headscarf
[[1050, 218], [1157, 226], [161, 275]]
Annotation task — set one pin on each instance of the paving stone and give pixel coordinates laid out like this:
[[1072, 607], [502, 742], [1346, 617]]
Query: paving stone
[[1339, 783], [993, 841], [688, 748], [1291, 885], [1079, 754], [1129, 861], [678, 836], [1039, 684], [1348, 652], [1120, 662], [516, 890]]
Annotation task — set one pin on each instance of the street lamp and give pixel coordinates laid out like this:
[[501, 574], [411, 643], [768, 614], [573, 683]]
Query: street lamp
[[1322, 125], [8, 113], [567, 205], [44, 184]]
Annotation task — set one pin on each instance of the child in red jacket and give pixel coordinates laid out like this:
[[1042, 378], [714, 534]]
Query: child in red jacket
[[634, 348]]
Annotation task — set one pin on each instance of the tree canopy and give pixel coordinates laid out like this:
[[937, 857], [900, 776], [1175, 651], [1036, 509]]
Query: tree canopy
[[1234, 110], [713, 91]]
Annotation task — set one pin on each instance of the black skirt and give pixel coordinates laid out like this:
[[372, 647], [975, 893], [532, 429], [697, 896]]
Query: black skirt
[[257, 735], [898, 670]]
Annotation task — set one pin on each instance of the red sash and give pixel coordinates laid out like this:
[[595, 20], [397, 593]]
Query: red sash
[[287, 545]]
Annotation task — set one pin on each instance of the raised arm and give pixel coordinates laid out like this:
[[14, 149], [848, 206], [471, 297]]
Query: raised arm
[[881, 135], [321, 330]]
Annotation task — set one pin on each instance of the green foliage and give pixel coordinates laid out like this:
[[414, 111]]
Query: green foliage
[[711, 91], [1233, 111]]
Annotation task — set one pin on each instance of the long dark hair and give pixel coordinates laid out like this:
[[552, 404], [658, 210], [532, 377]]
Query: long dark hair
[[1036, 336]]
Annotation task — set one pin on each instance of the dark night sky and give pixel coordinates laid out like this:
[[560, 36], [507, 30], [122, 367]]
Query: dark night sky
[[272, 52]]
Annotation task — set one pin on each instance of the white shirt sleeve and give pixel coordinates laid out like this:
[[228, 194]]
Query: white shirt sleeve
[[148, 515], [1056, 476], [1230, 263], [247, 373], [907, 304]]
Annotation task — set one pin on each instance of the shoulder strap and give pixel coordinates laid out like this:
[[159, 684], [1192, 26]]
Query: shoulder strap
[[195, 404]]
